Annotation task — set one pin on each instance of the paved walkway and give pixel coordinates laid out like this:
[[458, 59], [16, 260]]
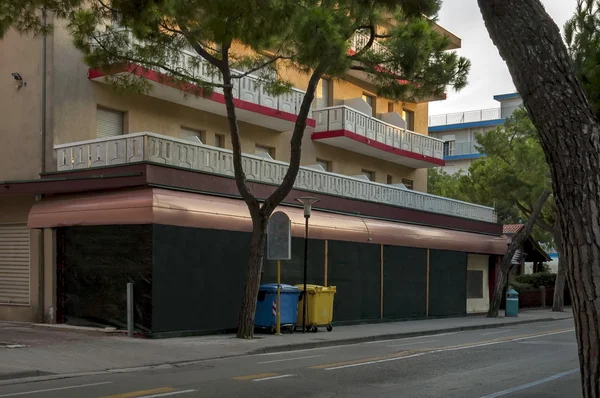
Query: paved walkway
[[31, 350]]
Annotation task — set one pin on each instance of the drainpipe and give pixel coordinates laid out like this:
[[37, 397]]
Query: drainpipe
[[42, 266], [44, 70]]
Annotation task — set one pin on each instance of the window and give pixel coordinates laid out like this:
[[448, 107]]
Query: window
[[390, 107], [109, 123], [191, 135], [324, 97], [219, 140], [325, 164], [409, 118], [390, 179], [369, 174], [264, 151], [449, 148], [474, 284], [407, 183]]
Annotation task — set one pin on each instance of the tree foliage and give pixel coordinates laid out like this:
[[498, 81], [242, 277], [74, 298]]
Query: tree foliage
[[582, 35], [510, 177]]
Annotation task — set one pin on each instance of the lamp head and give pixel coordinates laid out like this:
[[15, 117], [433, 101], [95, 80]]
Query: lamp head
[[307, 202]]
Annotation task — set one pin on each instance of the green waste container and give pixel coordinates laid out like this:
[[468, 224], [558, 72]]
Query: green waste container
[[512, 303]]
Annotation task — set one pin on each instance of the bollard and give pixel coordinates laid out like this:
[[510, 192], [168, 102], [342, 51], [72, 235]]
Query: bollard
[[543, 291], [130, 309]]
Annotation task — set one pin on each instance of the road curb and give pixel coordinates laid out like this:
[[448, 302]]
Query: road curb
[[391, 336], [38, 376], [22, 374]]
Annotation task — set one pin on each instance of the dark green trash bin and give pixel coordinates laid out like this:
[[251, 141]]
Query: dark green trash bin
[[512, 303]]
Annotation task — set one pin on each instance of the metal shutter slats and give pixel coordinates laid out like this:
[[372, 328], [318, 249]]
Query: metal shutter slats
[[14, 264], [191, 135], [108, 123]]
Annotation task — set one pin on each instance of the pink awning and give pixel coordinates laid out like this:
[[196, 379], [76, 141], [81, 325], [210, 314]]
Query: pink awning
[[161, 206]]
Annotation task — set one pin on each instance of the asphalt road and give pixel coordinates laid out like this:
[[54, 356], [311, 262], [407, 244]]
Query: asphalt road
[[535, 360]]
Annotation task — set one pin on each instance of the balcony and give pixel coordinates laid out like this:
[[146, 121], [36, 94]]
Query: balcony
[[254, 104], [359, 40], [149, 147], [348, 128], [465, 150], [495, 115]]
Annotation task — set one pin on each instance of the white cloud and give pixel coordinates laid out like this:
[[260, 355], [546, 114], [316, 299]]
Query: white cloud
[[489, 75]]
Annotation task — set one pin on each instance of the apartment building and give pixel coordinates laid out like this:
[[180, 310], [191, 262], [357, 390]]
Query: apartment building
[[459, 130], [103, 188]]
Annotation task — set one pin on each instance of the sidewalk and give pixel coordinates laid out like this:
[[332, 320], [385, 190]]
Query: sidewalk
[[39, 350]]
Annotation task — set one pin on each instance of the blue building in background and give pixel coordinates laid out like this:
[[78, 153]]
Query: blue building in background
[[458, 130]]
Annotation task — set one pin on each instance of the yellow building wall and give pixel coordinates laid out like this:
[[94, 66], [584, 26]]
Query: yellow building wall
[[20, 109], [73, 100]]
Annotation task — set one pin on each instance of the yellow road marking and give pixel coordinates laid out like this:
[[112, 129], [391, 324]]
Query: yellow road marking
[[140, 393], [257, 376], [438, 349]]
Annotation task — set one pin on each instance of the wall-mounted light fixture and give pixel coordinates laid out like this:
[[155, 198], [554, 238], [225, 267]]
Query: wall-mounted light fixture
[[19, 80]]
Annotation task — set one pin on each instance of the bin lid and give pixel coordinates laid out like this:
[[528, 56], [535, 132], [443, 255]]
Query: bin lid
[[512, 291], [317, 288], [272, 288]]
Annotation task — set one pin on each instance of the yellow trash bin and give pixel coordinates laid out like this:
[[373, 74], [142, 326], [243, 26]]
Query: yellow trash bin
[[320, 307]]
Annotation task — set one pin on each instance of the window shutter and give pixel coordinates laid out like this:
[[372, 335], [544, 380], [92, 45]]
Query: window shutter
[[14, 264], [109, 123], [191, 135]]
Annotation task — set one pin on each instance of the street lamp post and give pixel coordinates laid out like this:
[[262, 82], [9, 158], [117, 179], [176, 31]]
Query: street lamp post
[[307, 202]]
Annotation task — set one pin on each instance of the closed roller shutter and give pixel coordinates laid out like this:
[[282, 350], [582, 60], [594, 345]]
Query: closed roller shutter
[[14, 263], [191, 135], [109, 123]]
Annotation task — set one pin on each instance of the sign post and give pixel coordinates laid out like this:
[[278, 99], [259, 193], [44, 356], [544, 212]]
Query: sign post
[[279, 247]]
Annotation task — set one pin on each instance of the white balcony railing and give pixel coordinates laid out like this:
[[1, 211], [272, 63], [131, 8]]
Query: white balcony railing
[[345, 118], [359, 40], [479, 115], [461, 148], [166, 150], [248, 88]]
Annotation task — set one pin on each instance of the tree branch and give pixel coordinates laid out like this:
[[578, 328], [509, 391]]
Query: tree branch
[[220, 64], [240, 176], [263, 65], [146, 62], [367, 46], [523, 208], [520, 238], [543, 224], [295, 145]]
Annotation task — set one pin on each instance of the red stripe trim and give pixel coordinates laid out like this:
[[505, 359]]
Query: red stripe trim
[[382, 69], [196, 90], [376, 144]]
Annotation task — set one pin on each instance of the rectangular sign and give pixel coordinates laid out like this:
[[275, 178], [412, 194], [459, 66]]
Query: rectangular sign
[[279, 237]]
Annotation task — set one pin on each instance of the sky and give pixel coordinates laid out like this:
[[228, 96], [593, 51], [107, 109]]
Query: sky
[[489, 75]]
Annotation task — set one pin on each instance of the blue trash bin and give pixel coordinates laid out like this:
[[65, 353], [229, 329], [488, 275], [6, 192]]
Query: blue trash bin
[[266, 307]]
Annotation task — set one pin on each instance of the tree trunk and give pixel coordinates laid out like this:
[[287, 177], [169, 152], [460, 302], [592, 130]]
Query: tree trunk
[[531, 44], [559, 284], [517, 243], [255, 264], [260, 213], [501, 279]]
